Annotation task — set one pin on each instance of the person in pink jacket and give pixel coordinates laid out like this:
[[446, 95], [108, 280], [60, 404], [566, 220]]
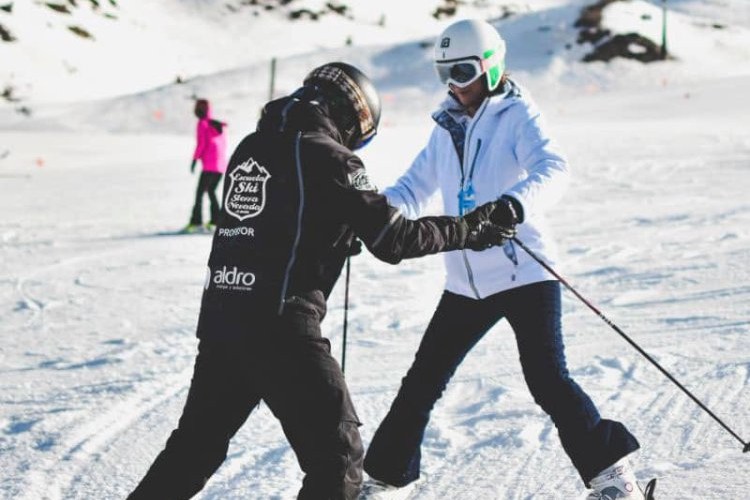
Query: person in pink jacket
[[211, 150]]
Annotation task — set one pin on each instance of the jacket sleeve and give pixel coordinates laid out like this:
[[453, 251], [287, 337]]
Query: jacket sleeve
[[386, 233], [547, 170], [200, 139], [413, 189]]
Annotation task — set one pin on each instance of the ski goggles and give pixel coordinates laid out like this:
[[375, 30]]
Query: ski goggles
[[365, 140], [461, 72]]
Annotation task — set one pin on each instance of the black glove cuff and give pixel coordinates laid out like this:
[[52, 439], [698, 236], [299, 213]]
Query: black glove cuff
[[515, 207]]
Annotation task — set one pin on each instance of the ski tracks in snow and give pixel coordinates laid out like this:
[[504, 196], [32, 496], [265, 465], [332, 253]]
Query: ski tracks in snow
[[490, 433], [97, 352], [68, 473]]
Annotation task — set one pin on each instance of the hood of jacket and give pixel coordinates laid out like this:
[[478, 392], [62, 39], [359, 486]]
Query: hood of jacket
[[299, 112], [497, 102], [452, 115]]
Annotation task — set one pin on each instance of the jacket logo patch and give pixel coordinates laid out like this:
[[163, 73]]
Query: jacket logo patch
[[246, 196], [228, 278], [360, 181]]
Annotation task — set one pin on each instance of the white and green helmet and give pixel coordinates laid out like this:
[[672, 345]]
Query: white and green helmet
[[468, 49]]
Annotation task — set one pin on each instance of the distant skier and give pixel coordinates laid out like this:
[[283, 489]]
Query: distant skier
[[296, 198], [211, 150], [489, 144]]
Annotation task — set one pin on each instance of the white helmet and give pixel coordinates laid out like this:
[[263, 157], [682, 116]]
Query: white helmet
[[468, 49]]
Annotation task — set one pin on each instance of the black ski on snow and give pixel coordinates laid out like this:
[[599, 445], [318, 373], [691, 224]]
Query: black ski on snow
[[648, 493]]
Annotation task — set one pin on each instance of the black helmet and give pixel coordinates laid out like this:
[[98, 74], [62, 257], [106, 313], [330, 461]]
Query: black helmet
[[359, 93]]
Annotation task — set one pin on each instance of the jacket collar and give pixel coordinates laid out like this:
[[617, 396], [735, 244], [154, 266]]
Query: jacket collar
[[495, 103]]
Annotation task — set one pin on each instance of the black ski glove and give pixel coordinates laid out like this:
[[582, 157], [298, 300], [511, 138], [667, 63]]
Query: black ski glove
[[484, 234], [491, 224], [503, 212], [507, 212], [192, 166], [355, 248], [480, 214]]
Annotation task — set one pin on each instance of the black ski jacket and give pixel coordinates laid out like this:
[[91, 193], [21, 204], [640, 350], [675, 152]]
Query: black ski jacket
[[294, 201]]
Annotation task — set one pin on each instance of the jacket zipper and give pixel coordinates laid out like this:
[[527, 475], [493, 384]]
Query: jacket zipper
[[469, 272], [300, 210]]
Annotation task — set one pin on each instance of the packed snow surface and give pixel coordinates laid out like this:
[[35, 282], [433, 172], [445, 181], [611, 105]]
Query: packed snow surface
[[99, 298]]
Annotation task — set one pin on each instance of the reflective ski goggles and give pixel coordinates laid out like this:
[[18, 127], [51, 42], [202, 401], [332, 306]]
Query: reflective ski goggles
[[365, 140], [461, 72]]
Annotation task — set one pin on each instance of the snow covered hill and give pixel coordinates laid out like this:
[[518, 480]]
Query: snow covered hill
[[98, 300], [62, 50]]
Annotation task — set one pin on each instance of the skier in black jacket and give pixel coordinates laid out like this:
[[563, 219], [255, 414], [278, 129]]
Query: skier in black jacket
[[295, 199]]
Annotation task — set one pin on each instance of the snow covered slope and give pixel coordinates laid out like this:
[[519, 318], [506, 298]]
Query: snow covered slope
[[64, 50], [98, 300]]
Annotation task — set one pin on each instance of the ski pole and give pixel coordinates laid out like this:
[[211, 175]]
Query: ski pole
[[346, 315], [745, 445]]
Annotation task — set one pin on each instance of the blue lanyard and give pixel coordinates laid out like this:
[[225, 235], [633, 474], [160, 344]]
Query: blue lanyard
[[466, 199]]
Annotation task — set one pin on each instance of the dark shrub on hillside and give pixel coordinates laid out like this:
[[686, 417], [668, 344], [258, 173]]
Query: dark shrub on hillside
[[607, 46], [338, 9], [299, 14], [592, 35], [59, 7], [9, 94], [447, 10], [630, 46], [81, 32], [6, 35], [591, 16]]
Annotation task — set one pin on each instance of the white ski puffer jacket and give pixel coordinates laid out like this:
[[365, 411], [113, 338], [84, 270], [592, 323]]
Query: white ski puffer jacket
[[510, 153]]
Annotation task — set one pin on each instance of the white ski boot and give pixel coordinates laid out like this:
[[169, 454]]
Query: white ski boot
[[618, 481]]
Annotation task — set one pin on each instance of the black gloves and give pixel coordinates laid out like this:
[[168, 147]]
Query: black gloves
[[480, 214], [192, 166], [491, 224], [355, 248], [507, 212], [485, 234]]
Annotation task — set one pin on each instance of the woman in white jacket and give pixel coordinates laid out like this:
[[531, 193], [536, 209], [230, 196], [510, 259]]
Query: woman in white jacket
[[489, 144]]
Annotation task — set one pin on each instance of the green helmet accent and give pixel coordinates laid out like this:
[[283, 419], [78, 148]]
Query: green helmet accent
[[495, 69]]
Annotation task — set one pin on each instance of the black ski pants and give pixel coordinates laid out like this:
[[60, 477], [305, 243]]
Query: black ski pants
[[301, 383], [534, 312], [207, 183]]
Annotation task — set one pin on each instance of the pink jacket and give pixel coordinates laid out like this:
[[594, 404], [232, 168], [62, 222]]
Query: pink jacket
[[211, 144]]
